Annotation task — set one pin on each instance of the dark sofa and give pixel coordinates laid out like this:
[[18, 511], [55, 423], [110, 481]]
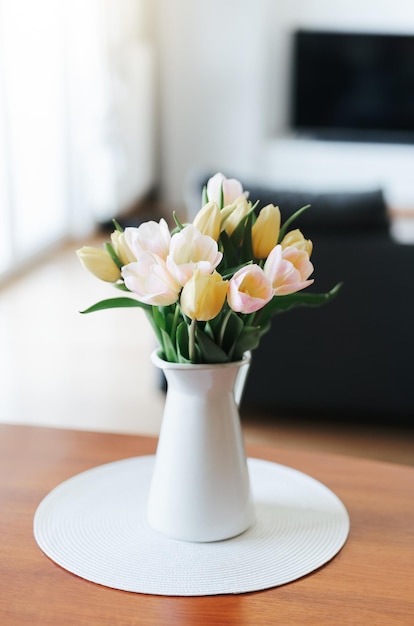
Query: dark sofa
[[352, 358]]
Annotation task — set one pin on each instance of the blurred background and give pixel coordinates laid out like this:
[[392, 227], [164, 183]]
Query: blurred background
[[110, 108], [105, 102]]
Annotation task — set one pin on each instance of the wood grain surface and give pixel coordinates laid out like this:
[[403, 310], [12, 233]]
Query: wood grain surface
[[371, 581]]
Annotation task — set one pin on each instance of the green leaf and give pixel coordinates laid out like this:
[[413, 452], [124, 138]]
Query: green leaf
[[279, 304], [212, 327], [247, 245], [116, 303], [230, 255], [155, 327], [162, 317], [229, 272], [122, 286], [118, 227], [110, 250], [179, 224], [204, 196], [168, 347], [232, 331], [248, 340], [181, 341], [238, 234], [291, 219], [210, 352]]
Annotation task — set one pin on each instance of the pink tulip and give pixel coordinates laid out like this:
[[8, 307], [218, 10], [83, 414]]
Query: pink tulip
[[149, 237], [288, 269], [150, 280], [190, 250], [249, 290], [232, 189]]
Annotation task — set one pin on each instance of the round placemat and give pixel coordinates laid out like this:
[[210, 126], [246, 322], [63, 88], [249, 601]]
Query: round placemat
[[94, 525]]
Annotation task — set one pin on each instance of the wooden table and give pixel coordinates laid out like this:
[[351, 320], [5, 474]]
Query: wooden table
[[371, 581]]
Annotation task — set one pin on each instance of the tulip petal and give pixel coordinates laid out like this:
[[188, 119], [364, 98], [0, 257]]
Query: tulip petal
[[149, 237], [219, 187], [151, 281], [249, 290], [265, 231], [99, 263], [203, 296], [288, 269], [190, 250]]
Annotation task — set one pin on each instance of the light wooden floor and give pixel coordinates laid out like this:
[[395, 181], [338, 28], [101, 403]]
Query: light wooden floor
[[60, 368]]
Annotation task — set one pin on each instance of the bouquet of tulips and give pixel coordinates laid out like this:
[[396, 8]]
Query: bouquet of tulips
[[209, 288]]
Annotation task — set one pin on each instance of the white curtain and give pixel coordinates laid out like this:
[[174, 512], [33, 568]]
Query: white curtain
[[76, 123]]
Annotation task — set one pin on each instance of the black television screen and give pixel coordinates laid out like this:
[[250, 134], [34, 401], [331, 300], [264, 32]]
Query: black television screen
[[356, 85]]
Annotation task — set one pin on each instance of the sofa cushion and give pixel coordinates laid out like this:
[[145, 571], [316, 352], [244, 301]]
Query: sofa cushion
[[345, 211]]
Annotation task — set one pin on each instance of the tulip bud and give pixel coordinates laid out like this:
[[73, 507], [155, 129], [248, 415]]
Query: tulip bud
[[265, 231], [220, 188], [121, 248], [99, 263], [232, 215], [202, 297], [296, 239], [208, 220]]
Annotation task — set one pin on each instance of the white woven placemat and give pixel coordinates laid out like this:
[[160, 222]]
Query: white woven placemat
[[94, 526]]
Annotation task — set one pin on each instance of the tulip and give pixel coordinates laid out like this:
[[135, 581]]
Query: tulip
[[208, 220], [99, 263], [149, 237], [190, 250], [121, 248], [150, 280], [288, 270], [295, 238], [202, 297], [219, 186], [265, 231], [249, 290], [232, 215]]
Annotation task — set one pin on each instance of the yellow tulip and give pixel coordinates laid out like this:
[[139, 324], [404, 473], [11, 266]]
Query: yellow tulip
[[265, 231], [296, 239], [202, 297], [121, 248], [208, 220], [99, 263], [232, 215]]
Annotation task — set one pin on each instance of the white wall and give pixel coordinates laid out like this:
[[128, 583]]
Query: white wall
[[224, 68], [211, 86]]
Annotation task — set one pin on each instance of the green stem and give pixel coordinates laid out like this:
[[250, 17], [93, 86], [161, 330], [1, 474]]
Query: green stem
[[224, 326], [248, 319], [191, 340], [177, 312]]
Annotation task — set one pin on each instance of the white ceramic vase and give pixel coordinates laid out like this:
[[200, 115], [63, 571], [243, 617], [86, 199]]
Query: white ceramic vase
[[200, 489]]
